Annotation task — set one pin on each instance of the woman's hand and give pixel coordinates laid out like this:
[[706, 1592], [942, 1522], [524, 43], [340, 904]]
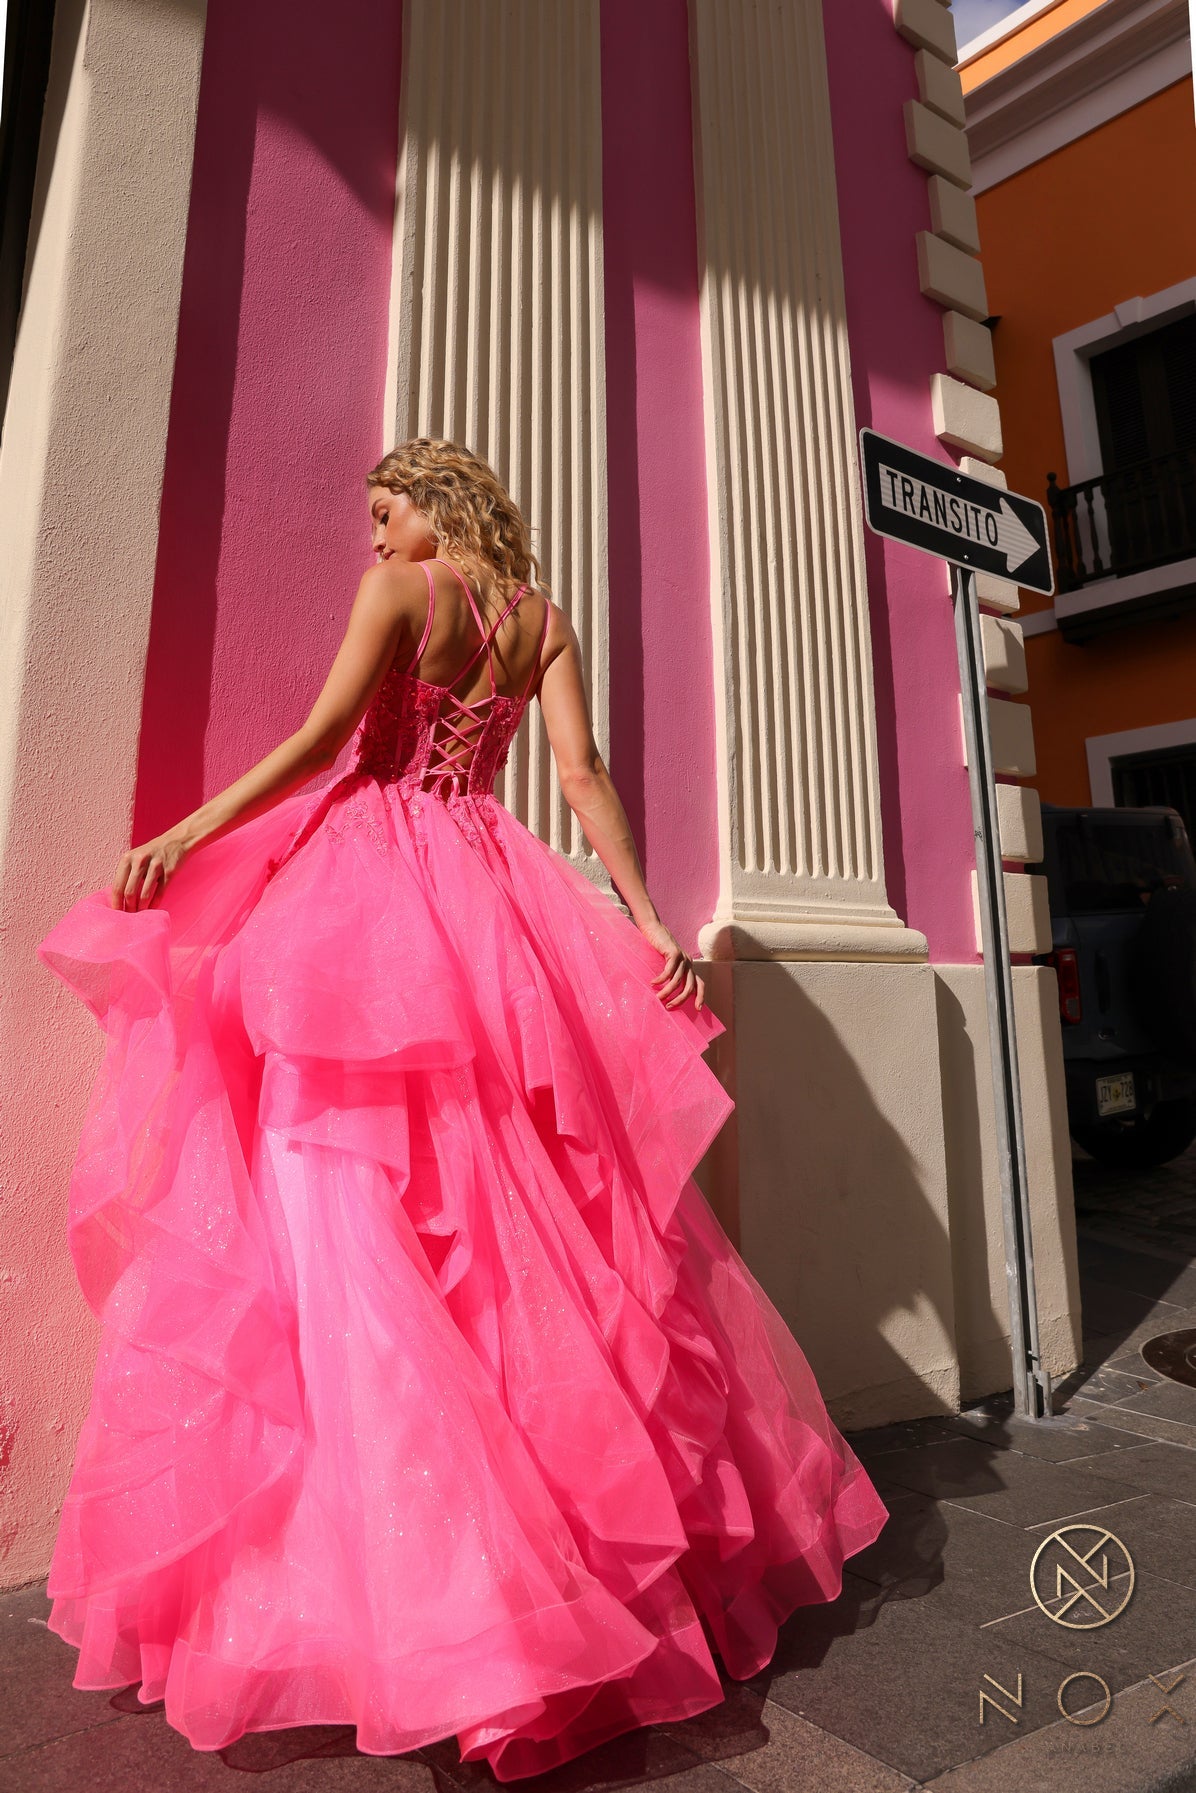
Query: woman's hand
[[143, 872], [678, 975]]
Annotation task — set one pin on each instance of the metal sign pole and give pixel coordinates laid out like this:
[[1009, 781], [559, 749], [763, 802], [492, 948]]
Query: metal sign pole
[[929, 505], [1031, 1381]]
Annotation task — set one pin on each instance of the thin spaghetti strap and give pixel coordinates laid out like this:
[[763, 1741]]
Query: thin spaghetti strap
[[487, 634], [527, 689], [477, 617], [487, 641], [423, 640]]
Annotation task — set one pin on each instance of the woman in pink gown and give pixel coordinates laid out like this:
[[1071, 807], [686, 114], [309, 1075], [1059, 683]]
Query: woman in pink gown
[[431, 1397]]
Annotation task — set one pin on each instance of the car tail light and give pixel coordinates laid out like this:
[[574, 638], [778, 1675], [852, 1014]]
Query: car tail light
[[1068, 972]]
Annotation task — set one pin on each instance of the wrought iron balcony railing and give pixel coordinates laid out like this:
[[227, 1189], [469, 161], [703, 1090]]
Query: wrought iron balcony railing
[[1124, 522]]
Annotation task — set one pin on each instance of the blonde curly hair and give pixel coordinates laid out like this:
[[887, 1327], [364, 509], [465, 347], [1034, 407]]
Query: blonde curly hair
[[470, 511]]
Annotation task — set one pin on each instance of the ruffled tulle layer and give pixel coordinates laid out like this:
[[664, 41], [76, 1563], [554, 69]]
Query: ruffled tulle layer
[[431, 1396]]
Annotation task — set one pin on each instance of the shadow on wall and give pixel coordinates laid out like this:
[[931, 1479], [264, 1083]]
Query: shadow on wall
[[855, 1212]]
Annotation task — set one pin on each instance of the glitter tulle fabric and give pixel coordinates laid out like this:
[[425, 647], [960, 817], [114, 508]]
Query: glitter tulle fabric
[[431, 1397]]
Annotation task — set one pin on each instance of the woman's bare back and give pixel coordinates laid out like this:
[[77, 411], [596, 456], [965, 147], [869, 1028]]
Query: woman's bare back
[[451, 642]]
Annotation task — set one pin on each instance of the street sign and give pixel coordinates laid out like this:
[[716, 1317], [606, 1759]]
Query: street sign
[[980, 528], [931, 505]]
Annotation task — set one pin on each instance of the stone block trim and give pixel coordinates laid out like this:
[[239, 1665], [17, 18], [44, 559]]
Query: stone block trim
[[1004, 654], [953, 214], [952, 277], [940, 87], [968, 348], [1019, 816], [1027, 912], [997, 594], [928, 26], [1011, 730], [935, 145], [976, 469], [966, 418]]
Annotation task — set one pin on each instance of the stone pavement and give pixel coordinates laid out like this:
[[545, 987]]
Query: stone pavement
[[881, 1691], [1155, 1210]]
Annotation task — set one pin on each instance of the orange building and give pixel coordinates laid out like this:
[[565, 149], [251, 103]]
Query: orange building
[[1083, 138]]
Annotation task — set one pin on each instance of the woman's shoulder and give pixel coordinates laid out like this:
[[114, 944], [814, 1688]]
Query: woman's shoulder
[[559, 633], [559, 628], [396, 579], [395, 594]]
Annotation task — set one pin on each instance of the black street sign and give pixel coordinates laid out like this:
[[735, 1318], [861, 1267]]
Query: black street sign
[[930, 505]]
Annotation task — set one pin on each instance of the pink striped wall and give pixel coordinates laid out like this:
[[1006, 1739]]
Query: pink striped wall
[[662, 675], [276, 412], [896, 340]]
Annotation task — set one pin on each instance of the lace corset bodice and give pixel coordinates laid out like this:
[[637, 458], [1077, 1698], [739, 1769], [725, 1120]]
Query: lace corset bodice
[[424, 737]]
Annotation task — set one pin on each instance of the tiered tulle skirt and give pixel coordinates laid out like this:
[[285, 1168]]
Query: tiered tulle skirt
[[431, 1397]]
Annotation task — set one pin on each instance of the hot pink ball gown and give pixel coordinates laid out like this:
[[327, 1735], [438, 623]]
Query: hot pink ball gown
[[431, 1397]]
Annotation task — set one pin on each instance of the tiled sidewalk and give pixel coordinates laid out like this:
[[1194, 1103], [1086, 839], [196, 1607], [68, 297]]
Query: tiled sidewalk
[[1153, 1210], [877, 1693]]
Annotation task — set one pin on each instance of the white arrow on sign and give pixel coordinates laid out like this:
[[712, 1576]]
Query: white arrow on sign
[[1001, 530], [1013, 538]]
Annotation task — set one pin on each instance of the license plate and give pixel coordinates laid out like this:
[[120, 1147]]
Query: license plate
[[1115, 1095]]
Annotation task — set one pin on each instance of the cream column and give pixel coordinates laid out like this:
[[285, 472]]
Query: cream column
[[802, 873], [497, 307], [80, 485]]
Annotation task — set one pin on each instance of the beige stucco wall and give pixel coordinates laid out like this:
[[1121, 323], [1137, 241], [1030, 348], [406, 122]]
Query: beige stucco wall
[[80, 481], [860, 1180], [981, 1296]]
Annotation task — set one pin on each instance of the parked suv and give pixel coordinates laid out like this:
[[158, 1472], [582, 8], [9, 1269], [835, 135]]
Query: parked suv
[[1122, 887]]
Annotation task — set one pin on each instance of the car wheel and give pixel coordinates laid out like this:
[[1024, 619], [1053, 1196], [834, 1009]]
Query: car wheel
[[1141, 1142]]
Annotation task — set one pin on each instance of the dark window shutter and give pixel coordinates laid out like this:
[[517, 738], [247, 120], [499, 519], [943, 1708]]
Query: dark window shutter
[[1178, 371], [1145, 393]]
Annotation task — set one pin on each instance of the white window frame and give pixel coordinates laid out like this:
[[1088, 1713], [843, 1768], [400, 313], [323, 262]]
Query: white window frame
[[1073, 352], [1103, 750]]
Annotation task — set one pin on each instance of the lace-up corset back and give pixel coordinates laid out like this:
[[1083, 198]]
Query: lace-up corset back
[[425, 736]]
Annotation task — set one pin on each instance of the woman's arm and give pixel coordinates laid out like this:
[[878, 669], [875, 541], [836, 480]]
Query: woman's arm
[[590, 793], [377, 625]]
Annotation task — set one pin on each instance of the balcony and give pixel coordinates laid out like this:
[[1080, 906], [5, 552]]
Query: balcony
[[1125, 544]]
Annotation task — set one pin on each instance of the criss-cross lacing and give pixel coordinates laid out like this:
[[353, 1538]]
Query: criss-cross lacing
[[451, 770], [459, 726]]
